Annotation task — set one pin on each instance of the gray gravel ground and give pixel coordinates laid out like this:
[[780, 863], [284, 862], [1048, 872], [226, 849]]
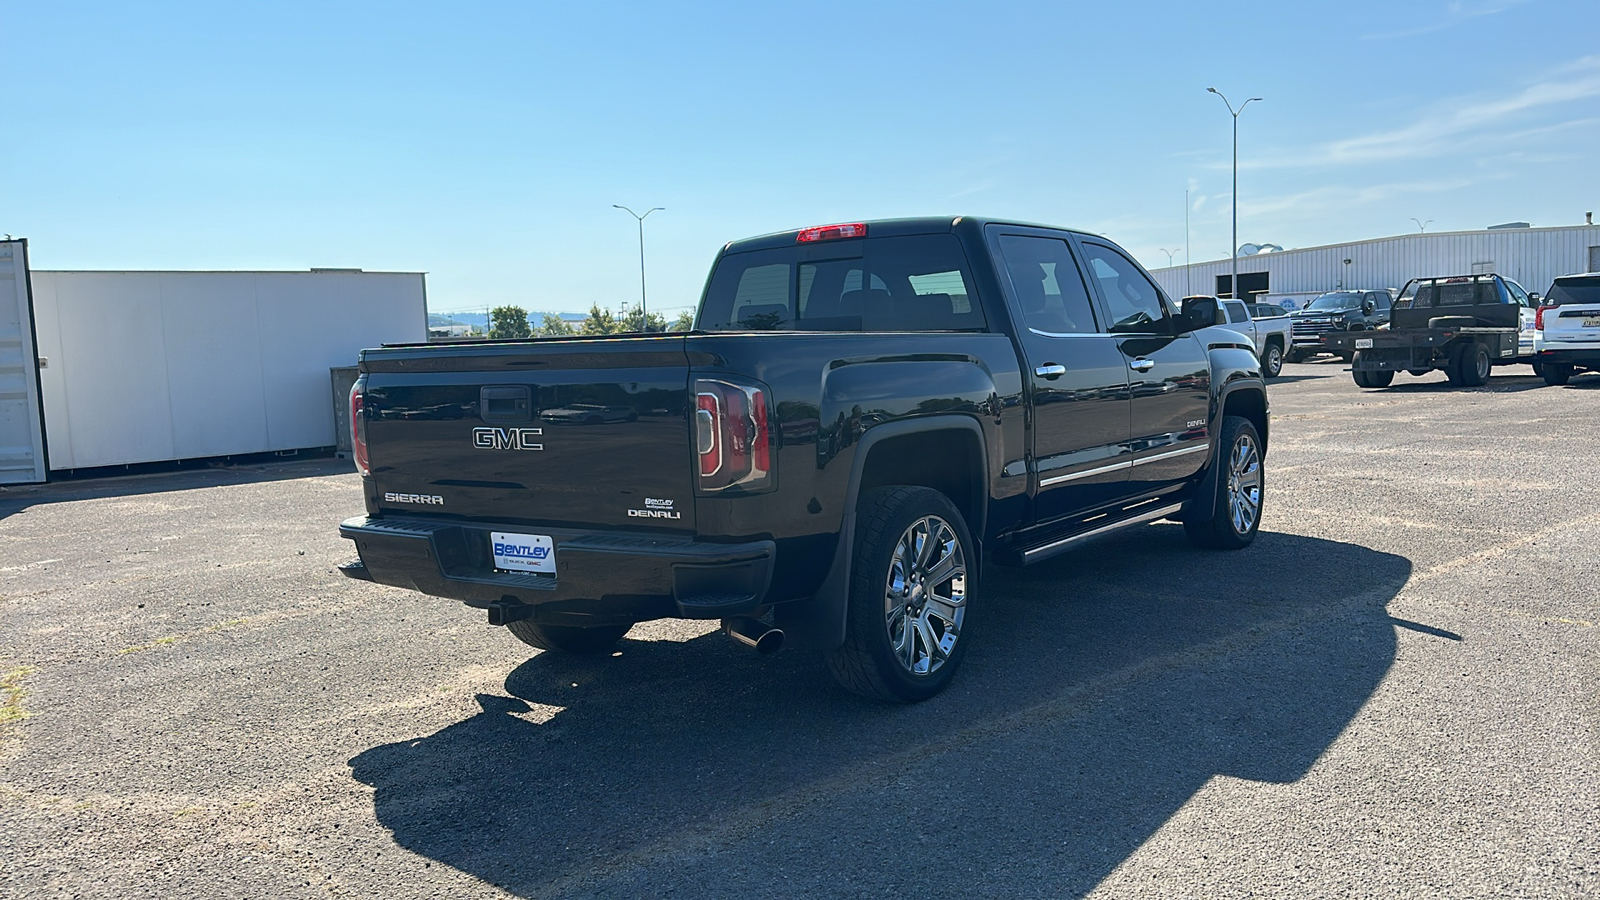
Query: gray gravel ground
[[1393, 693]]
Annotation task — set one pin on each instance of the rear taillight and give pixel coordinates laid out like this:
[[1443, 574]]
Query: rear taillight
[[732, 437], [358, 426], [1538, 318]]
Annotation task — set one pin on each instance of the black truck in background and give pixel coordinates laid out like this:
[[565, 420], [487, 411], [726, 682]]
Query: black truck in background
[[1461, 324], [864, 418], [1336, 312]]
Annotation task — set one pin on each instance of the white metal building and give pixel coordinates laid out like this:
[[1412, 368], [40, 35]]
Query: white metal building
[[140, 367], [1532, 257]]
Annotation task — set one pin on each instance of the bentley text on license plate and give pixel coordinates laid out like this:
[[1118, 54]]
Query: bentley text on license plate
[[523, 552]]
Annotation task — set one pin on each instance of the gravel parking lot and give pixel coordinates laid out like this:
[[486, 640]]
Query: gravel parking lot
[[1392, 693]]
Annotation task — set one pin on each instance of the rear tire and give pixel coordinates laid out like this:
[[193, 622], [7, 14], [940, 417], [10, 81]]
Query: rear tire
[[1271, 361], [1418, 373], [1294, 356], [588, 639], [1538, 368], [1236, 516], [1474, 364], [1378, 378], [1556, 374], [906, 624]]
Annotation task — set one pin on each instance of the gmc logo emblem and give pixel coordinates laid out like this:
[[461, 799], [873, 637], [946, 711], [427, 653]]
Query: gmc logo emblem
[[507, 438]]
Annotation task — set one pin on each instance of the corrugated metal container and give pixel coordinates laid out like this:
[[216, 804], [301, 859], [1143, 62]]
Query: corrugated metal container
[[1532, 257], [155, 366]]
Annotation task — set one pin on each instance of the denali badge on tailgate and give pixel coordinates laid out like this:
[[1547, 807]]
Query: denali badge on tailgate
[[507, 438]]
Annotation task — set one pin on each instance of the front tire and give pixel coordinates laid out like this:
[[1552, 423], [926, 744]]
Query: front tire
[[1236, 514], [905, 628], [581, 639]]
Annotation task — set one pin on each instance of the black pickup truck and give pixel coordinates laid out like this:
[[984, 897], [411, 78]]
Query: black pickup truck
[[1462, 324], [864, 417]]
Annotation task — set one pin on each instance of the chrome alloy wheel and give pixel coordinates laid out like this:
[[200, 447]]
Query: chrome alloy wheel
[[1244, 484], [925, 595]]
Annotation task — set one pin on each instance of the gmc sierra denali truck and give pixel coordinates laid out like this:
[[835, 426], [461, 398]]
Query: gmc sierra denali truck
[[864, 417]]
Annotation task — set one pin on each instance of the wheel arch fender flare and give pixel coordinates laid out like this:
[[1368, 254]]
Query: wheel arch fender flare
[[1252, 394], [820, 621]]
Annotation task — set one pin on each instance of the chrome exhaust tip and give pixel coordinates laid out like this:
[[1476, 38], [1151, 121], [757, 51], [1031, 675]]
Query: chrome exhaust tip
[[754, 633]]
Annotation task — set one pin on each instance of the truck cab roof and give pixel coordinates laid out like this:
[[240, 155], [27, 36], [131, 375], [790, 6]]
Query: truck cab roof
[[882, 228]]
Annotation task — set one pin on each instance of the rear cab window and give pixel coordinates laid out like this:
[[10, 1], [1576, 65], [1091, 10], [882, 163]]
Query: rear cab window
[[904, 283]]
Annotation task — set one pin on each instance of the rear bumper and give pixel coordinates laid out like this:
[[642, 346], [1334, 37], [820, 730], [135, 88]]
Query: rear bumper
[[601, 576], [1587, 357]]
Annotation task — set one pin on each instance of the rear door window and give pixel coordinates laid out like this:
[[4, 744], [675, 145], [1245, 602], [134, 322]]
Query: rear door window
[[1050, 291], [1236, 313], [911, 283]]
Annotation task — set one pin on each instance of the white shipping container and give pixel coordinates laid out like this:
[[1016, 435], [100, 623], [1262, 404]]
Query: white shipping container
[[21, 440], [154, 366]]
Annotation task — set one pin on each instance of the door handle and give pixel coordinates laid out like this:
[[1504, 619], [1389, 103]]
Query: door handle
[[1142, 365], [1050, 370]]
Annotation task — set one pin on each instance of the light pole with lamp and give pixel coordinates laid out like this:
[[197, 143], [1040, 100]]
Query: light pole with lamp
[[1233, 249], [1422, 226], [644, 308]]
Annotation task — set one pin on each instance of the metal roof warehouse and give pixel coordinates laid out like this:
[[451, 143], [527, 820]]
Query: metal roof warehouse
[[1532, 257]]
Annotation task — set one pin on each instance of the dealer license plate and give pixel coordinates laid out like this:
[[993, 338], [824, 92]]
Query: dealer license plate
[[1363, 343], [1591, 321], [523, 552]]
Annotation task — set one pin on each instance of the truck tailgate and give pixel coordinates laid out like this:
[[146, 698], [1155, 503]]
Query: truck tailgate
[[576, 433]]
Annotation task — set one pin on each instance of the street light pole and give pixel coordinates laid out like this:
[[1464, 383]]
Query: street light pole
[[1186, 257], [1422, 227], [644, 308], [1233, 250]]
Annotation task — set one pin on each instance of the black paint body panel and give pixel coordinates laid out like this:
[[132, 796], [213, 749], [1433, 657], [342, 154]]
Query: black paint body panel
[[614, 422]]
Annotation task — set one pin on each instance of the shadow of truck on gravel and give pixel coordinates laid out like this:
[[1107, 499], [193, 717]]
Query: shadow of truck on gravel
[[1104, 689]]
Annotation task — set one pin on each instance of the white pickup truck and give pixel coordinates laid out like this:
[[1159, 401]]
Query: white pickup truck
[[1271, 334]]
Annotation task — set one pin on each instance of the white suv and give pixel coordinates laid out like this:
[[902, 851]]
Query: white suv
[[1566, 335]]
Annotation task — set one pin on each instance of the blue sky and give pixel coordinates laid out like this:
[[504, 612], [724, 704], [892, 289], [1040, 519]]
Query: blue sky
[[484, 143]]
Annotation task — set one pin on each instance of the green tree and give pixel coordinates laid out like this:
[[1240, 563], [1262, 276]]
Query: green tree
[[509, 322], [600, 321], [684, 321], [634, 321], [554, 326]]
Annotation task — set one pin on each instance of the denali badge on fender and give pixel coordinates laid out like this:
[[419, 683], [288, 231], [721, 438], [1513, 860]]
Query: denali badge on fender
[[507, 438]]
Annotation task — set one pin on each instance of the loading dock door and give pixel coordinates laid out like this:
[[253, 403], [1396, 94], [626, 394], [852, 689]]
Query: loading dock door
[[21, 425]]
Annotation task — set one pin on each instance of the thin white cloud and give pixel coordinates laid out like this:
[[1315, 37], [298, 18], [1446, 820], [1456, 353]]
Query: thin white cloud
[[1454, 14], [980, 187], [1462, 125], [1199, 203], [1344, 196]]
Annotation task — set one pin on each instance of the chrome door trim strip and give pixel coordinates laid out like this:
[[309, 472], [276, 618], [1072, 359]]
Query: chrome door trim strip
[[1170, 454], [1086, 473]]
